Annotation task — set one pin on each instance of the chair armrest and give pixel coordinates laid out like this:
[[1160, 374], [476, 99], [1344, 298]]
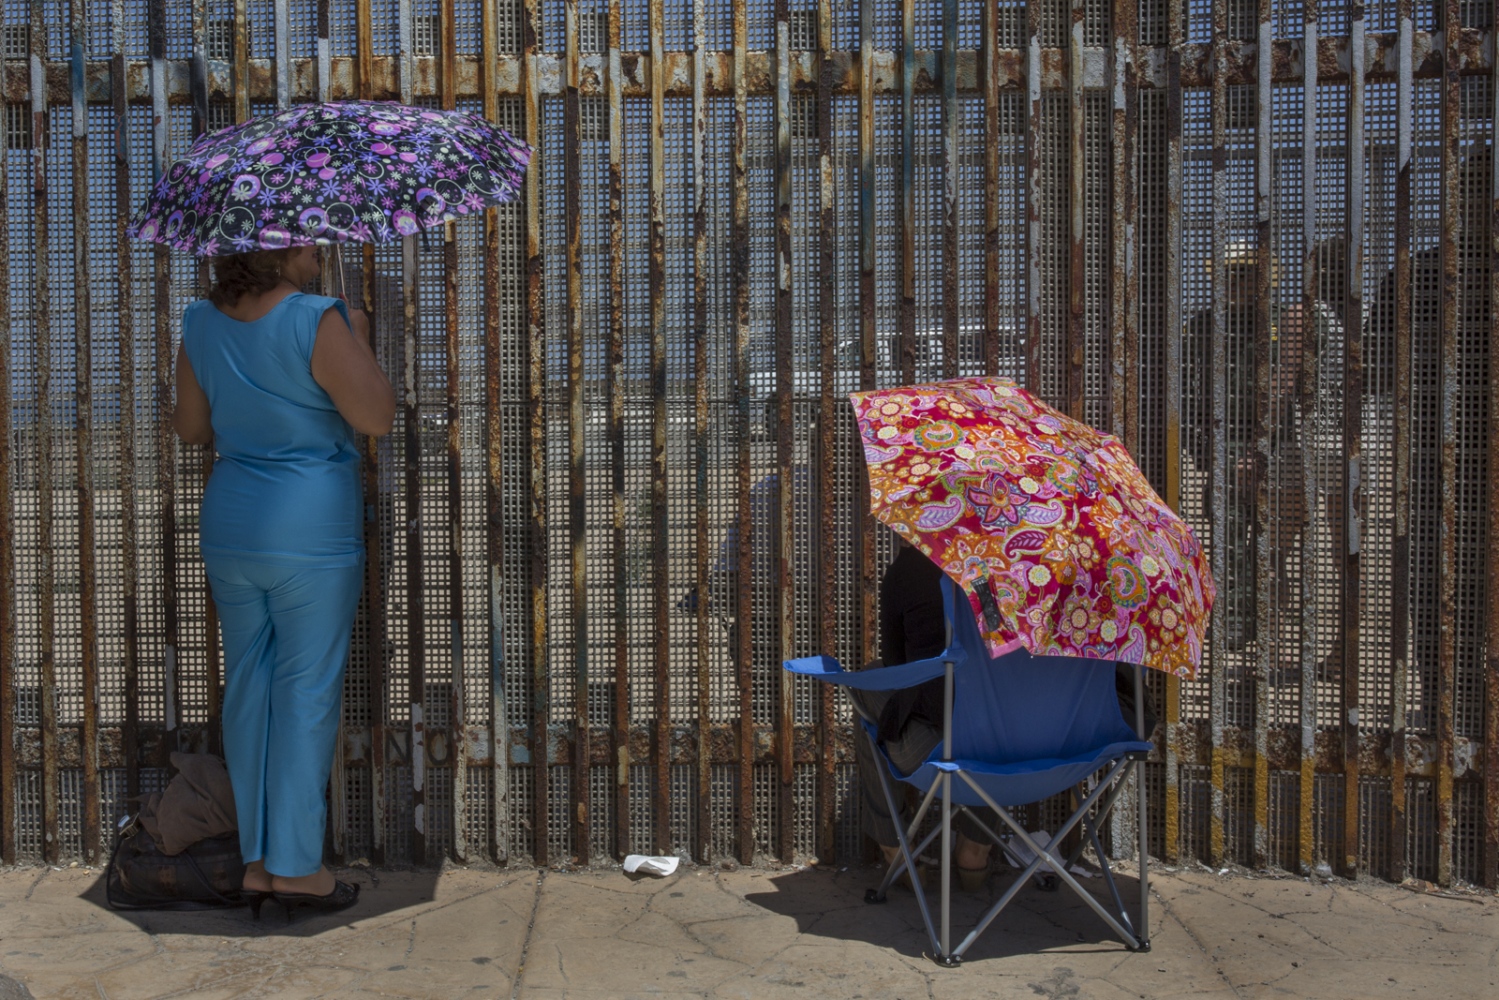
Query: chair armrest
[[827, 669]]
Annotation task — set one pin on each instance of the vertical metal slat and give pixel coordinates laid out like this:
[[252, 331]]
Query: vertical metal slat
[[7, 535], [1219, 483], [494, 436], [576, 426], [660, 631], [1352, 504], [739, 292], [1400, 626], [824, 453], [1451, 114], [702, 848], [83, 431], [614, 88], [535, 393], [785, 437], [457, 742]]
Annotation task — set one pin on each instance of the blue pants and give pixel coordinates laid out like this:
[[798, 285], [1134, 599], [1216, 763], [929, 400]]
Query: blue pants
[[286, 639]]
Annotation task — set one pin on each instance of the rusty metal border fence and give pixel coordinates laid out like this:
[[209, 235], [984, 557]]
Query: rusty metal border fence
[[624, 483]]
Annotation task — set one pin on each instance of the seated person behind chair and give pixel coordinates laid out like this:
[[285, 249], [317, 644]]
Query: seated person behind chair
[[909, 721]]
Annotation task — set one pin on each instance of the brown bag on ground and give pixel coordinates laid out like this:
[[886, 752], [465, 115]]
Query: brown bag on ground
[[181, 851], [198, 804]]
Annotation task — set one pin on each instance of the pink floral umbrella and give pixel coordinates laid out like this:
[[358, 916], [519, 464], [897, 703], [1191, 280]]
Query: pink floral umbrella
[[1048, 525]]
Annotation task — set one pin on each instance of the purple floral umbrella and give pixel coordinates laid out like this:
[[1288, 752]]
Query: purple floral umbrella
[[325, 174]]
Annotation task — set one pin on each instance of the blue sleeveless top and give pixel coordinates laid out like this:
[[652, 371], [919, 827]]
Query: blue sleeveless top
[[285, 487]]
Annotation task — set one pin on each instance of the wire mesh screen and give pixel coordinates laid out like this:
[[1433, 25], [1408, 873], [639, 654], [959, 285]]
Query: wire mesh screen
[[626, 482]]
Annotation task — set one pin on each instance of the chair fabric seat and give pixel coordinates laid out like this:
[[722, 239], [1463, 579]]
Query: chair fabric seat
[[1020, 782], [1013, 783]]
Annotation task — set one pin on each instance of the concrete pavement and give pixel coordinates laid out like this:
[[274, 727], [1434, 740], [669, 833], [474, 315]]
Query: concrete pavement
[[749, 933]]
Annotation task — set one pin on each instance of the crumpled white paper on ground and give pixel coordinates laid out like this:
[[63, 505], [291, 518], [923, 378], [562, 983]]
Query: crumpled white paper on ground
[[650, 864], [1023, 853]]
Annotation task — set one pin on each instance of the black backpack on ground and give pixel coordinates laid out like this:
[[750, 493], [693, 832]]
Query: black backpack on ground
[[205, 876]]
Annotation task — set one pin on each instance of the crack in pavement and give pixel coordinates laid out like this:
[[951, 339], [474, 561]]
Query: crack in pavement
[[37, 882], [520, 968], [1201, 945]]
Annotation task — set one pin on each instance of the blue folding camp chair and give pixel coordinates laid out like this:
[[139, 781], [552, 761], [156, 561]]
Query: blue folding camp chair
[[1016, 729]]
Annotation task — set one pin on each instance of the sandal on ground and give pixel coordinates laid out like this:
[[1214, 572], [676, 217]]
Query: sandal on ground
[[343, 896]]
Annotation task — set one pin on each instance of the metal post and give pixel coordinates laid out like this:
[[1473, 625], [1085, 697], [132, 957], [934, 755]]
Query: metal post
[[947, 846], [1142, 828]]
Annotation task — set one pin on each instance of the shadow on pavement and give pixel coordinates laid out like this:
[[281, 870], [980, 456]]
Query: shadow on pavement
[[831, 905], [378, 896]]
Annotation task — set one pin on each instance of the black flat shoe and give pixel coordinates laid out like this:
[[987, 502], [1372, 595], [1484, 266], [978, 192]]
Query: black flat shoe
[[343, 896], [256, 899]]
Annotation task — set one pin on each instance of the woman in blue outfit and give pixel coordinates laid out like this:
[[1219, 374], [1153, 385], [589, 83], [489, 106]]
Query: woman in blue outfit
[[279, 381]]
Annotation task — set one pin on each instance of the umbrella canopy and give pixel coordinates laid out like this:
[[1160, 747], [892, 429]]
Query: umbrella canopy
[[1048, 525], [349, 171]]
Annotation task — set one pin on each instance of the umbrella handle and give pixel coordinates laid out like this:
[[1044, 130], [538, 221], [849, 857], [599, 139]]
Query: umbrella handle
[[338, 260]]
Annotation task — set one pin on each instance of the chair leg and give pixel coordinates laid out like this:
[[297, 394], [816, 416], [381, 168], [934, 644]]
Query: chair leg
[[908, 857], [1141, 827], [946, 950], [1108, 875], [1144, 854], [1091, 838], [1049, 853]]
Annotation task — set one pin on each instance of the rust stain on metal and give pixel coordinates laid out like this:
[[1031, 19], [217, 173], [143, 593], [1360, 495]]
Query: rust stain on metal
[[46, 570], [701, 263], [622, 752], [1310, 271], [990, 68], [83, 437], [1447, 568], [412, 519], [536, 424], [494, 435], [1401, 542], [866, 526], [125, 308], [1124, 345], [1333, 57], [660, 629], [1353, 404], [1074, 336], [739, 294], [1176, 31], [1286, 56], [1471, 45], [1218, 484], [457, 707], [576, 426], [826, 445], [1033, 251], [784, 541]]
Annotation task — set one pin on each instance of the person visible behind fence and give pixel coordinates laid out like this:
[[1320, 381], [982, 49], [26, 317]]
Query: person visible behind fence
[[279, 381]]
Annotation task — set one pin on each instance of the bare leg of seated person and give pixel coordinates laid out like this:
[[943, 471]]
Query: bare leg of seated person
[[916, 742]]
